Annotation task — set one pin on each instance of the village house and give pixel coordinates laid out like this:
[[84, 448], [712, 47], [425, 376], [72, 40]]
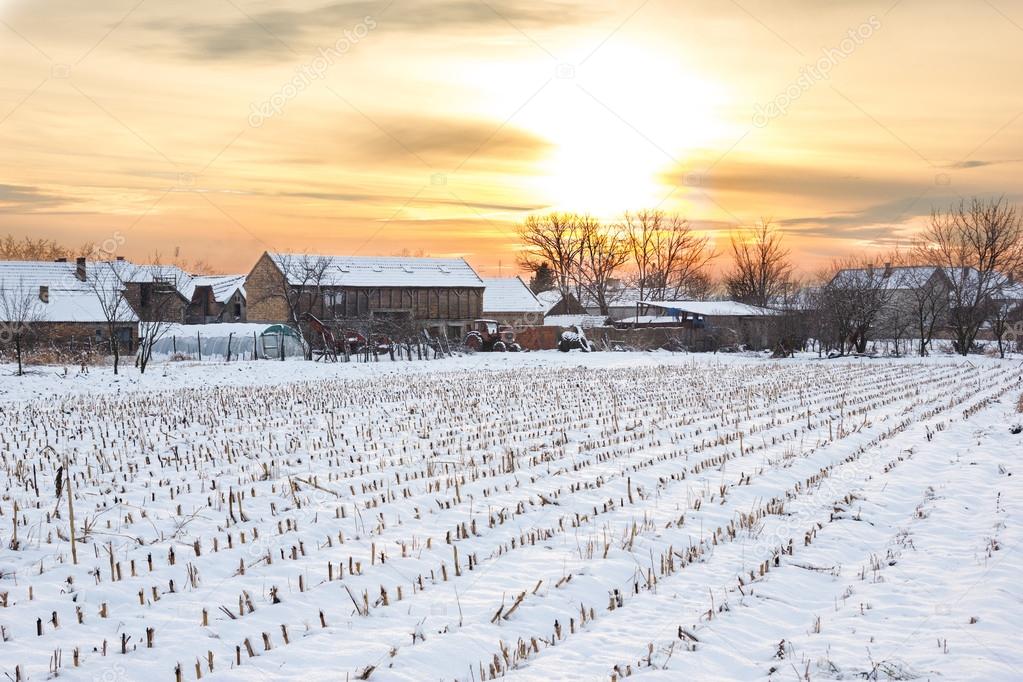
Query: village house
[[440, 295], [57, 305], [216, 298], [509, 301], [166, 293]]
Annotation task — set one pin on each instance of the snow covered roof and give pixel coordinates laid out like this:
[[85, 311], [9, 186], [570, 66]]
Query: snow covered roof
[[80, 306], [618, 297], [33, 274], [509, 295], [711, 308], [584, 321], [171, 274], [650, 319], [892, 279], [378, 271], [549, 299], [223, 286]]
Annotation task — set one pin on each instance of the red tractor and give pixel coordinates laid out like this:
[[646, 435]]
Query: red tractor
[[489, 336]]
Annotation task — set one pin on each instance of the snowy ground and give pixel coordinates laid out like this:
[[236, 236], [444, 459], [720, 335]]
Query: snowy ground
[[535, 516]]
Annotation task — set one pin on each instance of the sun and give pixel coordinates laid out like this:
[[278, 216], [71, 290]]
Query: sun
[[621, 127]]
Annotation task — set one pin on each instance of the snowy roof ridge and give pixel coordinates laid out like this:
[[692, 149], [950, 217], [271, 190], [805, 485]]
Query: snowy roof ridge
[[381, 271], [713, 308], [223, 286], [509, 295]]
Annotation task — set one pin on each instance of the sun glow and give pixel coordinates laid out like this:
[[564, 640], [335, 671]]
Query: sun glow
[[624, 128]]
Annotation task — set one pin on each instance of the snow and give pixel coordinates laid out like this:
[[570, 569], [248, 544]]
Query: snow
[[584, 321], [509, 295], [550, 298], [34, 274], [381, 271], [711, 308], [680, 516], [890, 278], [68, 298], [79, 306], [223, 286]]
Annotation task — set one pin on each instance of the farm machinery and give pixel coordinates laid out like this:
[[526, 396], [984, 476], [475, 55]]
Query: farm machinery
[[489, 336], [574, 338], [346, 342]]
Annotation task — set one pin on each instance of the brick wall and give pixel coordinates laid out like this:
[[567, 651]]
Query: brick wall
[[76, 335], [264, 288]]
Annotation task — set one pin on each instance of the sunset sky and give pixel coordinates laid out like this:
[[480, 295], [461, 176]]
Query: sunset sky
[[223, 128]]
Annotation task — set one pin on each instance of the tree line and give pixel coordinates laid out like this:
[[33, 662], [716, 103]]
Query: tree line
[[956, 278]]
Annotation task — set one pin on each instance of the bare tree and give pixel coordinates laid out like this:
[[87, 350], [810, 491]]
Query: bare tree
[[762, 268], [668, 257], [159, 306], [604, 251], [1005, 311], [923, 293], [854, 300], [556, 240], [302, 290], [20, 307], [28, 248], [977, 244], [107, 281]]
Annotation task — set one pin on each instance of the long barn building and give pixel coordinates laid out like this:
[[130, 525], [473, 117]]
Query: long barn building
[[442, 295]]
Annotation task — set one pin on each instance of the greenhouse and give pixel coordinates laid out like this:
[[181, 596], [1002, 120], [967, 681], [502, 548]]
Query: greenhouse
[[229, 341]]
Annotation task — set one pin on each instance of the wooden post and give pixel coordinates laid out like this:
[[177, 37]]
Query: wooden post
[[229, 346], [70, 511], [198, 340], [14, 540]]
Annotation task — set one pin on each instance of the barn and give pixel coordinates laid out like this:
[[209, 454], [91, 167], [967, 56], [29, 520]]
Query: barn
[[440, 295]]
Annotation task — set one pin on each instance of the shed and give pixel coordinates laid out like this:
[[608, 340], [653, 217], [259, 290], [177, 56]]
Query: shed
[[509, 301]]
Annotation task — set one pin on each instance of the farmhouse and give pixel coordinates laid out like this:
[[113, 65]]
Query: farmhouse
[[166, 293], [442, 295], [509, 301], [53, 303]]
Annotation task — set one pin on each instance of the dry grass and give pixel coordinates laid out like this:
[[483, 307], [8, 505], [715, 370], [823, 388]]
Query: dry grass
[[63, 357]]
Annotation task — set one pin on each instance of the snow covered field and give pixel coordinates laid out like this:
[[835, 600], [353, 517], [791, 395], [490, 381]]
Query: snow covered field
[[537, 516]]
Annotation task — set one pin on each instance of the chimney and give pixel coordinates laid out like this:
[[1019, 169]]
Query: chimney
[[80, 268], [44, 293], [61, 260], [870, 271], [888, 269]]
